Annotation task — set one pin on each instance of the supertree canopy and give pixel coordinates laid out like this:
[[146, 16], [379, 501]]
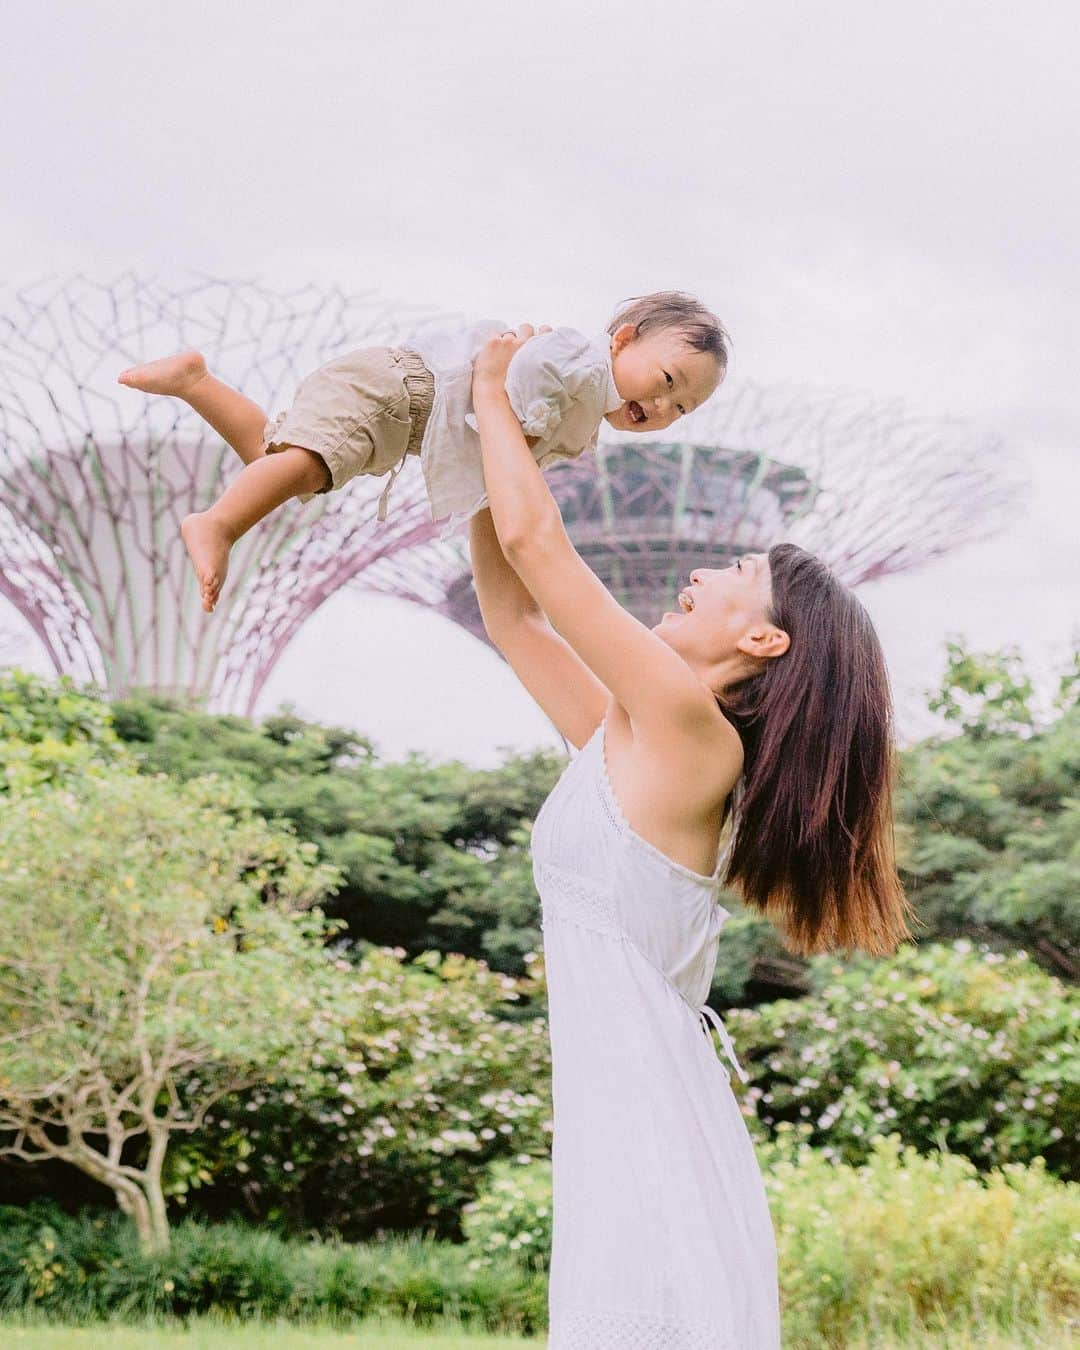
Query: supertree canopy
[[641, 515], [95, 479], [867, 486]]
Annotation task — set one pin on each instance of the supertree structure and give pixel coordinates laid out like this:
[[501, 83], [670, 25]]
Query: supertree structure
[[640, 514], [95, 478], [892, 489], [865, 484]]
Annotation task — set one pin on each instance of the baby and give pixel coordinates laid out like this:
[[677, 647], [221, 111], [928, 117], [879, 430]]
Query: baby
[[662, 356]]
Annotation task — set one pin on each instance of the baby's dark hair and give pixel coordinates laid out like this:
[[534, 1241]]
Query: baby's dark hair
[[699, 326]]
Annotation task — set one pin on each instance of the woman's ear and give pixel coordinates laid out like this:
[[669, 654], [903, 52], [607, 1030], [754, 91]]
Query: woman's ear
[[764, 642], [624, 334]]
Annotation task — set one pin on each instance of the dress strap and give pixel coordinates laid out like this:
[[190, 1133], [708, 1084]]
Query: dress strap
[[708, 1015]]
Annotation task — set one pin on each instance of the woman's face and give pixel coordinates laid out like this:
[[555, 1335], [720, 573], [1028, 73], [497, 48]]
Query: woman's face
[[722, 612]]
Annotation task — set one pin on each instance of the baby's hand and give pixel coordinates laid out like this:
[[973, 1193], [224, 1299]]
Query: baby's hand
[[493, 359]]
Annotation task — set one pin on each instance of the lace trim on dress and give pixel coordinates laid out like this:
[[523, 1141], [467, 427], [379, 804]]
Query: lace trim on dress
[[597, 1329], [566, 896]]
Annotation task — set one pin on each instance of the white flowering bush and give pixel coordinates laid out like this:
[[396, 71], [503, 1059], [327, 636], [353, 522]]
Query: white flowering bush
[[948, 1046], [512, 1214], [421, 1078]]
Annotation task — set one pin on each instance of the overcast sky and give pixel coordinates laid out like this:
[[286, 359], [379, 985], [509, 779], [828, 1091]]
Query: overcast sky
[[879, 197]]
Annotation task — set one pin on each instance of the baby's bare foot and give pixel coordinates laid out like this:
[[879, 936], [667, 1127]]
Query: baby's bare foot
[[208, 544], [175, 375]]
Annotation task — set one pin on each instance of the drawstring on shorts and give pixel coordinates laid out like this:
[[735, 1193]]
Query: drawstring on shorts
[[384, 496]]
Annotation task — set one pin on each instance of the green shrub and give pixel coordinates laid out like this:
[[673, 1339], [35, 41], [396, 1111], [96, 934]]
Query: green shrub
[[903, 1243], [908, 1241], [947, 1046], [91, 1267]]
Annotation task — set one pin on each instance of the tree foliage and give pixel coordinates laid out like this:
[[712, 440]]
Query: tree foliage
[[985, 694], [159, 948], [435, 856], [431, 855], [51, 732], [989, 821], [378, 1106]]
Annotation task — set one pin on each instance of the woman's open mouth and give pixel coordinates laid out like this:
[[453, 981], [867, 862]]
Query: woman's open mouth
[[636, 413]]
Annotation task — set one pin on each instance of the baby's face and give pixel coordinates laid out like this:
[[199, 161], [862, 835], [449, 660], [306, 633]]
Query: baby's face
[[659, 377]]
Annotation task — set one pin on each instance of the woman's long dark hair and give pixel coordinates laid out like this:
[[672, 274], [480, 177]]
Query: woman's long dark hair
[[813, 845]]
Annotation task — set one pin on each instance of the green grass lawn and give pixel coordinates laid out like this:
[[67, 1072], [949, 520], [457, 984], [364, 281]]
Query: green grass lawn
[[212, 1335]]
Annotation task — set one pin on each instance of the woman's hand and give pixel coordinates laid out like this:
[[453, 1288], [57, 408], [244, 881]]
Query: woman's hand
[[493, 359]]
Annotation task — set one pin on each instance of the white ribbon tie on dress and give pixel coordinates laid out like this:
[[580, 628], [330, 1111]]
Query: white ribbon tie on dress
[[708, 1015]]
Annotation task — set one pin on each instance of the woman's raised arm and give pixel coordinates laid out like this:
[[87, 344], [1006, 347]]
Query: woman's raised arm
[[653, 683]]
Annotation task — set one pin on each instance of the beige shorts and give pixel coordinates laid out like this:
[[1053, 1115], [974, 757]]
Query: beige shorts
[[361, 413]]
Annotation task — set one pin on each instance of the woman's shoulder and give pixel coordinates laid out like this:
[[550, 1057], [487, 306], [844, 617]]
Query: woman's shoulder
[[702, 757], [714, 743], [674, 788]]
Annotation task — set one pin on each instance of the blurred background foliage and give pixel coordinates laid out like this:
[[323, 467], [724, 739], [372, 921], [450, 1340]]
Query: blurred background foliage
[[434, 855]]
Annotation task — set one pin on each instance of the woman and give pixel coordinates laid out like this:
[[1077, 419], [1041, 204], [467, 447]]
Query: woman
[[767, 687]]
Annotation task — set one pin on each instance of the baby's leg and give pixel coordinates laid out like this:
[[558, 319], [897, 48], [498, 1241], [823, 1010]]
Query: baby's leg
[[233, 415], [266, 482]]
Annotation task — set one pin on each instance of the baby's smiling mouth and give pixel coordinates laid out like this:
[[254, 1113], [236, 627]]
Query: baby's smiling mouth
[[636, 412]]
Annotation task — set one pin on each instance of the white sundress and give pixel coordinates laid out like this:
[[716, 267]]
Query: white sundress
[[662, 1238]]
